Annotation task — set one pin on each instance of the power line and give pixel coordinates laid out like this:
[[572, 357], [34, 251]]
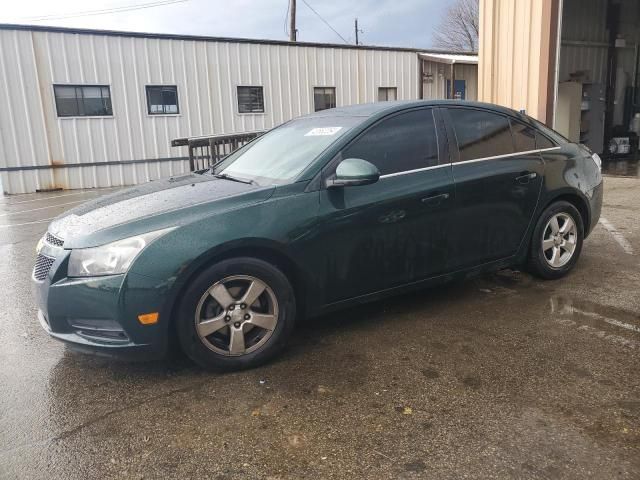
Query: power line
[[286, 19], [124, 8], [328, 24]]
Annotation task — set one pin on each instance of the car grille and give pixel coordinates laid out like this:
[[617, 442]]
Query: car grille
[[53, 240], [43, 265]]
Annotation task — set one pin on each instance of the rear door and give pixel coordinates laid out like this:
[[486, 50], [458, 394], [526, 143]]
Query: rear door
[[394, 231], [497, 173]]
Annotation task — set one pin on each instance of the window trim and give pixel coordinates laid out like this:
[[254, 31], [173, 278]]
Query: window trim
[[507, 155], [313, 97], [66, 117], [264, 100], [146, 93]]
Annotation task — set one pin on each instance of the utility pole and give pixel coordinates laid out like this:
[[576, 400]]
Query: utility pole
[[293, 33], [356, 27]]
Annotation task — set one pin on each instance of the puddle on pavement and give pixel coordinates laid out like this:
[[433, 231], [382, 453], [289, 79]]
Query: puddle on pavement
[[621, 168], [618, 326]]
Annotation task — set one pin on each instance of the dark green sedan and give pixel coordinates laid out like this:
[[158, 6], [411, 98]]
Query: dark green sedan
[[339, 207]]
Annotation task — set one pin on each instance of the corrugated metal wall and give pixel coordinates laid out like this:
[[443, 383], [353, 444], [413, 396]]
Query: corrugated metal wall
[[585, 38], [440, 72], [515, 38], [583, 27], [206, 74]]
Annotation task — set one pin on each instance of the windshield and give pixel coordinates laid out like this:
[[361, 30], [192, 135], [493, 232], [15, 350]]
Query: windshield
[[281, 154]]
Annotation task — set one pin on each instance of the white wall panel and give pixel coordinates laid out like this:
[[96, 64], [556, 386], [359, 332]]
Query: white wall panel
[[206, 74]]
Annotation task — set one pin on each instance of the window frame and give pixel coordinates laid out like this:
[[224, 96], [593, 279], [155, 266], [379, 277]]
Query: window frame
[[162, 114], [454, 150], [443, 155], [313, 97], [395, 89], [264, 103], [81, 85]]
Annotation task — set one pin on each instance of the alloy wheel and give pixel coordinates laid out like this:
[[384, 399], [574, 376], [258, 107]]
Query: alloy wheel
[[559, 240], [236, 315]]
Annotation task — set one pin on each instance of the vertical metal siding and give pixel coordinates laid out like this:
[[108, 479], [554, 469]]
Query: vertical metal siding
[[514, 54], [206, 74]]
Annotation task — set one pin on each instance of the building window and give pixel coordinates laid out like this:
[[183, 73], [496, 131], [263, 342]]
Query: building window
[[83, 100], [250, 100], [323, 98], [386, 94], [162, 99]]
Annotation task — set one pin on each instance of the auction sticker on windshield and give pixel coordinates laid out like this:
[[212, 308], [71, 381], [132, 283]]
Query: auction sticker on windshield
[[322, 131]]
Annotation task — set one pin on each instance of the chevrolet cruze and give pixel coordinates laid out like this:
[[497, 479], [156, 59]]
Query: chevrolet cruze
[[339, 207]]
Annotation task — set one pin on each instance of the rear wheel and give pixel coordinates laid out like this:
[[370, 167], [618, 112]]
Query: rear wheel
[[557, 241], [236, 314]]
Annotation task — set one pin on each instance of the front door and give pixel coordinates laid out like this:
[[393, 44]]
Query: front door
[[392, 232], [498, 177]]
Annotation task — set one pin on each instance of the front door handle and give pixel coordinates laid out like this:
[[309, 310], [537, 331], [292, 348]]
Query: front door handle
[[435, 199], [526, 177]]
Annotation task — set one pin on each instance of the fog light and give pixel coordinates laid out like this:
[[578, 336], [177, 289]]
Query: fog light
[[148, 318]]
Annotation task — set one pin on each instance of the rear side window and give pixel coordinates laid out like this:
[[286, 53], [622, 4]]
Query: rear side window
[[524, 136], [481, 134], [404, 142], [543, 142], [556, 138]]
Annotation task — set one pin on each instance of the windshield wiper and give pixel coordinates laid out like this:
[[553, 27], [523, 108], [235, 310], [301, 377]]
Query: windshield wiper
[[226, 176]]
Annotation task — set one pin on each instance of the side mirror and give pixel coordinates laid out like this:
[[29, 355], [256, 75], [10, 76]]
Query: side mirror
[[353, 171]]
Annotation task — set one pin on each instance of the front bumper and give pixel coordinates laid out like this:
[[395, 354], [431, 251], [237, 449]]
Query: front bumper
[[100, 314]]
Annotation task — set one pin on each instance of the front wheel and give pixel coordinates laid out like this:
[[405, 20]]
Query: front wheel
[[236, 314], [557, 241]]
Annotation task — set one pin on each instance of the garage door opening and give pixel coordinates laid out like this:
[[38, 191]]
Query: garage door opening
[[597, 100]]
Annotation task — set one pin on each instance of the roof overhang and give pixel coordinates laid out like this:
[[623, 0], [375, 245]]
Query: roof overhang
[[450, 58]]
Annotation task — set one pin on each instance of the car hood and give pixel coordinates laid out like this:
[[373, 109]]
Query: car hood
[[154, 205]]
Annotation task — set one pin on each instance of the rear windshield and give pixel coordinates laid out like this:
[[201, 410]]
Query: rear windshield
[[281, 154]]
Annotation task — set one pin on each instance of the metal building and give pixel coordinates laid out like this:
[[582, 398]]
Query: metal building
[[86, 108]]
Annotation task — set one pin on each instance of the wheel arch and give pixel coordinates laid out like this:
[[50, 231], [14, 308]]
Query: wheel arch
[[265, 250], [581, 204]]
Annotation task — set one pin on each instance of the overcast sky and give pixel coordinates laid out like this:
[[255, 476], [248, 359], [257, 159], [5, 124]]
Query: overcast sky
[[405, 23]]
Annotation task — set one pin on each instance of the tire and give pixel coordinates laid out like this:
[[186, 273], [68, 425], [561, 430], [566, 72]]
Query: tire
[[543, 260], [217, 295]]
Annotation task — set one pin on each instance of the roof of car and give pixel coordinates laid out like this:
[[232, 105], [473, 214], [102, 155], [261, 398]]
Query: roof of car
[[378, 108]]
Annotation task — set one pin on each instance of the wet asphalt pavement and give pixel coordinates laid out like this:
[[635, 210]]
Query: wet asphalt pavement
[[502, 376]]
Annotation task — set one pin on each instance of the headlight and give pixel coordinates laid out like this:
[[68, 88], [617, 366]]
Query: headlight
[[110, 259], [597, 160]]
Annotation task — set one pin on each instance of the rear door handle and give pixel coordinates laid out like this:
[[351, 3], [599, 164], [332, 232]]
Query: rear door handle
[[526, 177], [435, 199]]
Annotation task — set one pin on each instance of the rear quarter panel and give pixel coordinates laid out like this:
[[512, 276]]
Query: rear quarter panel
[[570, 170]]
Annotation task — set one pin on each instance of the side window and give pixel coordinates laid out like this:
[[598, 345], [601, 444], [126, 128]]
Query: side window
[[404, 142], [524, 136], [543, 142], [481, 134]]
